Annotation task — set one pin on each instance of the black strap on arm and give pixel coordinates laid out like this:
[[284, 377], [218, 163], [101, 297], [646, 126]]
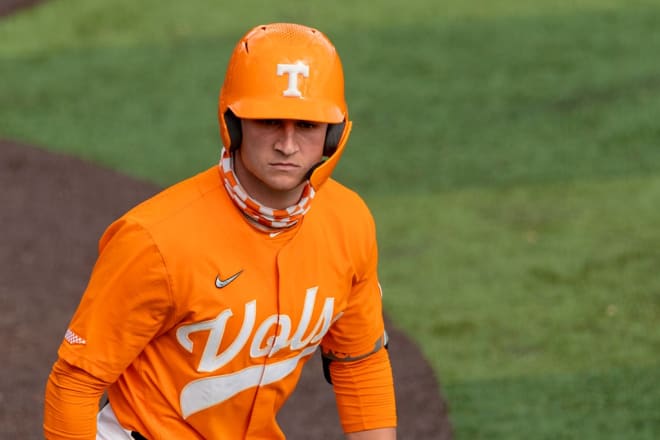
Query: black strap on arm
[[328, 356]]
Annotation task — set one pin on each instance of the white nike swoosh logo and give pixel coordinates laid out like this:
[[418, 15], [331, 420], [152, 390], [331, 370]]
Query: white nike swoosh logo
[[275, 234], [220, 283]]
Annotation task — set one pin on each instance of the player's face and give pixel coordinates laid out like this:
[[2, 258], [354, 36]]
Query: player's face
[[275, 156]]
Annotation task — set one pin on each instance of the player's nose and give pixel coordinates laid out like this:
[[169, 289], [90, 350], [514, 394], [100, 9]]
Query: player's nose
[[287, 140]]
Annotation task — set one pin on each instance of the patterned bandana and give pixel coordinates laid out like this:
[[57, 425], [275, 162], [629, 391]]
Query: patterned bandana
[[272, 218]]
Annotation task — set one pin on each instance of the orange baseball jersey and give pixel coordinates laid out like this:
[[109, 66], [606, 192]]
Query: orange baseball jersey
[[202, 322]]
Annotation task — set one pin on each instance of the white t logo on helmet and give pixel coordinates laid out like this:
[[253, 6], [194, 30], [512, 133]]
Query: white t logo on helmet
[[293, 70]]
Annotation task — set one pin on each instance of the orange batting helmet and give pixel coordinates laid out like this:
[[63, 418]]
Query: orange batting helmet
[[286, 71]]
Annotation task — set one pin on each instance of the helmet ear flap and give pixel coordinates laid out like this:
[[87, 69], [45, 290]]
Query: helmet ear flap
[[332, 138], [233, 124]]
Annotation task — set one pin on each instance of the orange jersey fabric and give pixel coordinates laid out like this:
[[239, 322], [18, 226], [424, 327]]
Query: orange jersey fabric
[[201, 323]]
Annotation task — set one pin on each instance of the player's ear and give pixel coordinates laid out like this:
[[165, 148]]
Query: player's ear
[[233, 124]]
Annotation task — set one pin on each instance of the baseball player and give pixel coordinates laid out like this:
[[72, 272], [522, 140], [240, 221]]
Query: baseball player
[[207, 299]]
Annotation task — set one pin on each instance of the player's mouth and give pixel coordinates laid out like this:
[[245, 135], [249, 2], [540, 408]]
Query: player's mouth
[[284, 166]]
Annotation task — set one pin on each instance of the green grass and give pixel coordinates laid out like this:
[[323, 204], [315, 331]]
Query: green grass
[[616, 404], [521, 289], [549, 279], [509, 150]]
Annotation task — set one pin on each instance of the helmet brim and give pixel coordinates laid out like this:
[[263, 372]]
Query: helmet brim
[[313, 110]]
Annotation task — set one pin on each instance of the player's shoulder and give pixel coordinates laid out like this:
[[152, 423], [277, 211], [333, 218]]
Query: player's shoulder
[[172, 211], [342, 221], [175, 200], [335, 193], [342, 204]]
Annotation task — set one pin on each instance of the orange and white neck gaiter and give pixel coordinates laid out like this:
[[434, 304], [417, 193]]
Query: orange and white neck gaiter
[[272, 218]]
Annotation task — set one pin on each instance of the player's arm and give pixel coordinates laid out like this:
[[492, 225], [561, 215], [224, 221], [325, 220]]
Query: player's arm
[[373, 434], [71, 403], [355, 355], [126, 304], [364, 391]]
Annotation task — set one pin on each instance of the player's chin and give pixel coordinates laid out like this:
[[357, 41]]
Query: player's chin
[[286, 183]]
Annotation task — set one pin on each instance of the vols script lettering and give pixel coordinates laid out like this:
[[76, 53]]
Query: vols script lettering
[[204, 393]]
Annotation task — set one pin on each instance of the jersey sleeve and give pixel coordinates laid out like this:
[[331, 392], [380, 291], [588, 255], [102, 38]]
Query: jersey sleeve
[[127, 302], [359, 331], [71, 403], [359, 366], [364, 391]]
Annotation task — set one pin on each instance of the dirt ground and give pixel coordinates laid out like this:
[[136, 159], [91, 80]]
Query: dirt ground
[[11, 6], [53, 209]]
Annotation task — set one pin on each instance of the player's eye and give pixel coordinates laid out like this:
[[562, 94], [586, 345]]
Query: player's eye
[[307, 124], [271, 122]]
